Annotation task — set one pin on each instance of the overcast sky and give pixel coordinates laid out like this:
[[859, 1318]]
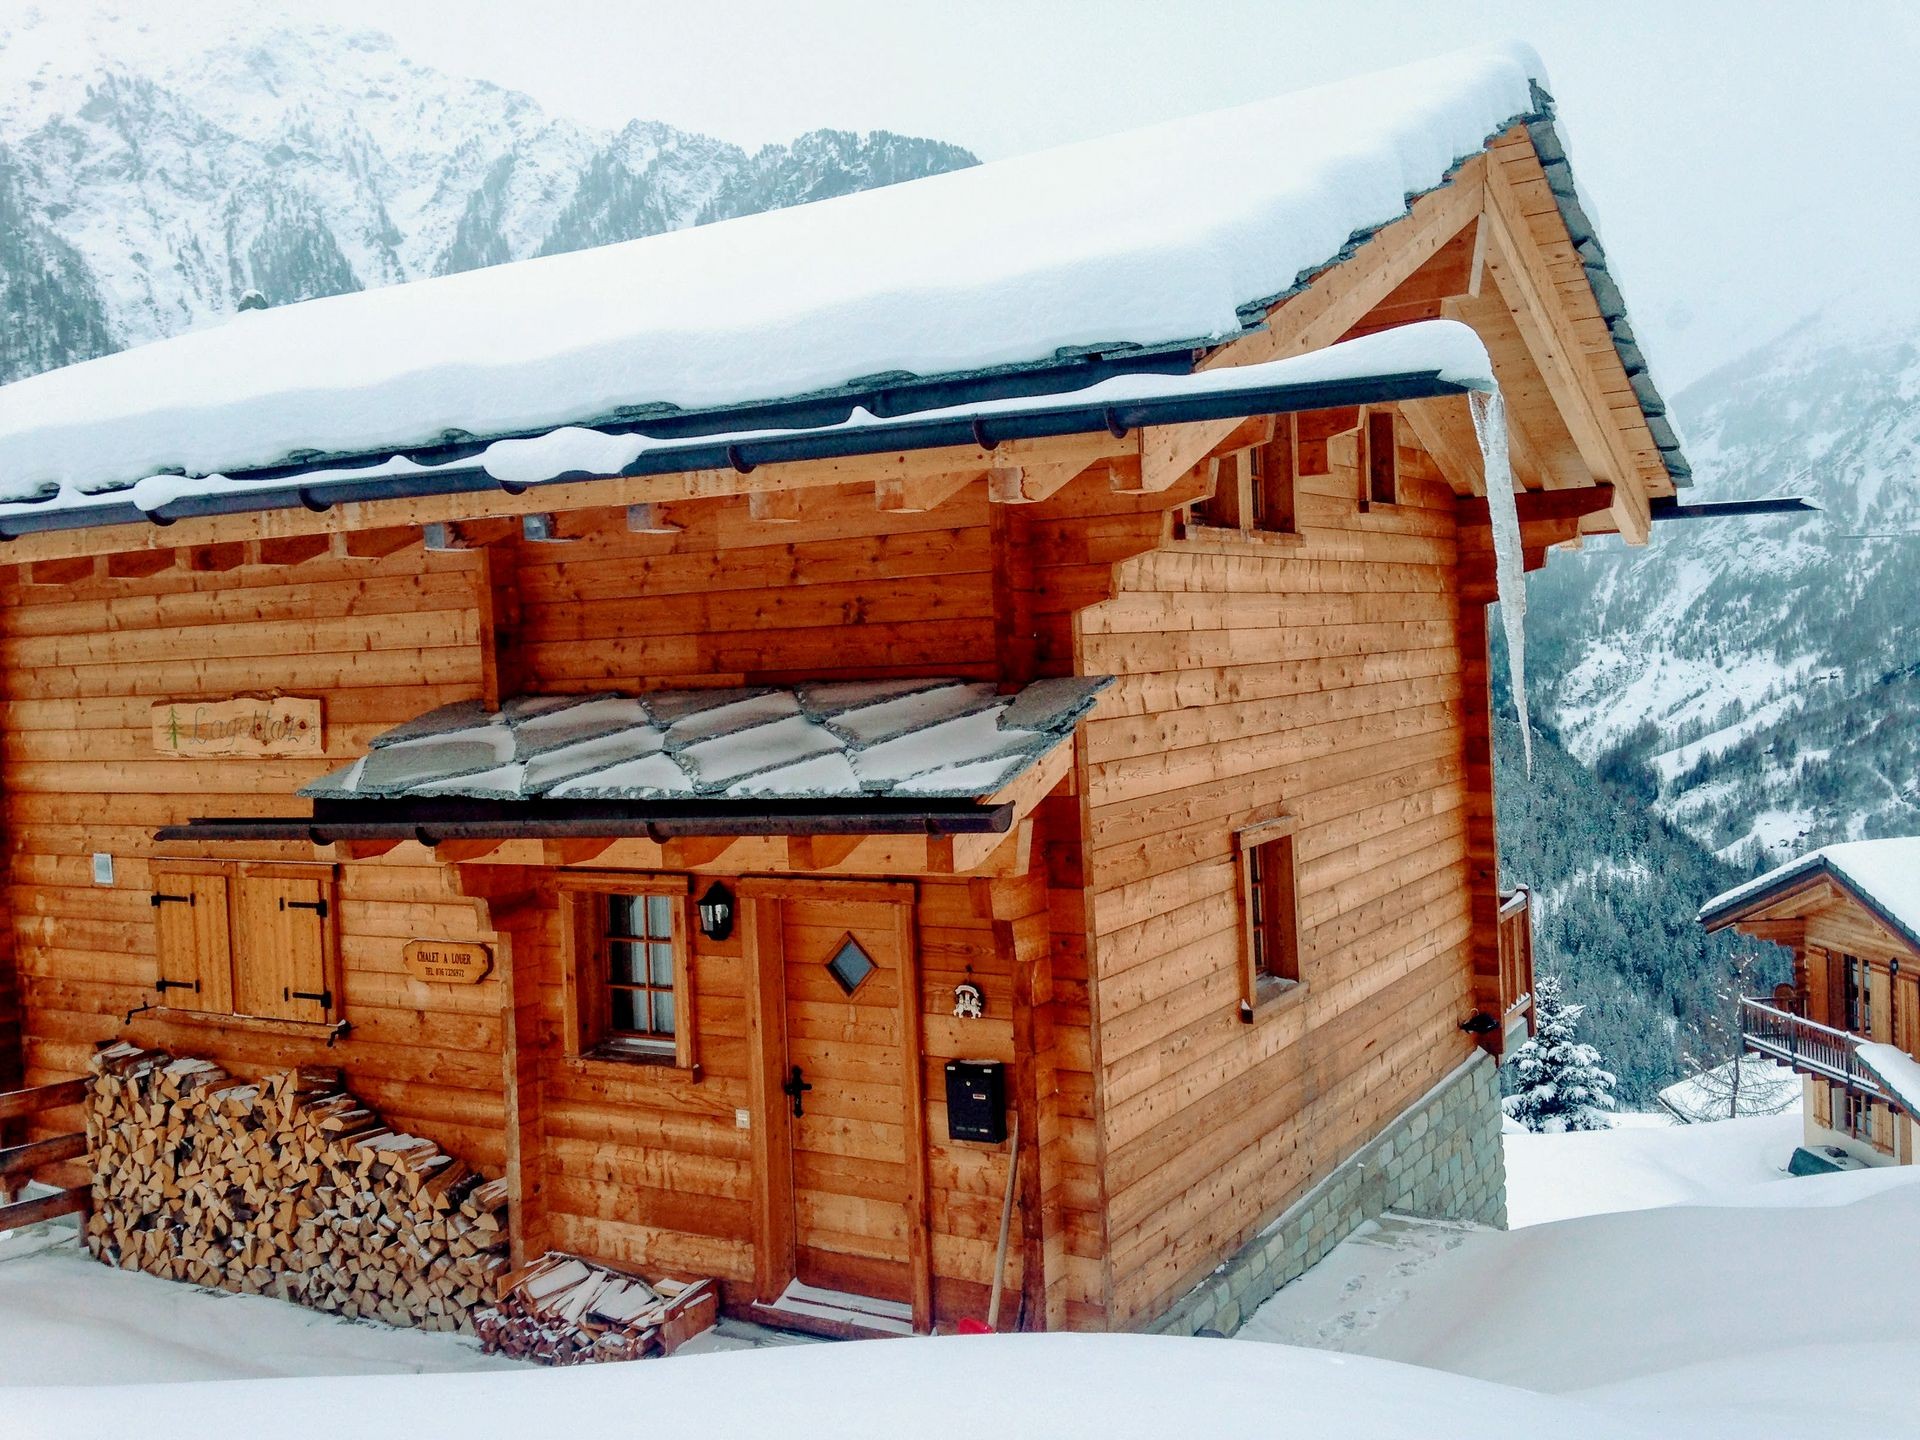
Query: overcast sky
[[1747, 160]]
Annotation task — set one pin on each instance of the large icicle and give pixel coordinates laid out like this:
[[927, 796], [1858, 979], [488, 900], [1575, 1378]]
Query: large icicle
[[1509, 562]]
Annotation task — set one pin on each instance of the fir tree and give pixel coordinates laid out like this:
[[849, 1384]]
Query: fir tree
[[1557, 1080]]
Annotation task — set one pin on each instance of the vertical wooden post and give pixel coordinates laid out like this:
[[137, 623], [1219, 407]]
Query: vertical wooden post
[[914, 1104], [772, 1151]]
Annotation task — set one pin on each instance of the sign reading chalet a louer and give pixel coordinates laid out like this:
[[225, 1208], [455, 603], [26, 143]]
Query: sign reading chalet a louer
[[447, 962], [253, 726]]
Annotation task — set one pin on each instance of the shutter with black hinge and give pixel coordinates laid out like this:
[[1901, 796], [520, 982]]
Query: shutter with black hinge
[[284, 965], [192, 941]]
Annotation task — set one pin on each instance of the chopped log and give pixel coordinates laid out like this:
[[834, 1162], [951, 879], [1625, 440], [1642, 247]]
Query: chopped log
[[286, 1185]]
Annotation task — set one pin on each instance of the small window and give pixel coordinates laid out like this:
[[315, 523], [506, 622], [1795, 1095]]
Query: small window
[[1853, 1114], [1253, 487], [850, 965], [1271, 479], [1859, 981], [1270, 909], [640, 968], [627, 938], [247, 939], [1379, 459]]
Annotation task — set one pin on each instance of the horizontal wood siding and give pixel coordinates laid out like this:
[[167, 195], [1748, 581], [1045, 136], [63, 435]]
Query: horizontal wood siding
[[848, 591], [379, 641], [1323, 675]]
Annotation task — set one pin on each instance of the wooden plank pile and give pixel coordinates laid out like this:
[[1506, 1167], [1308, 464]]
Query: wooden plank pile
[[563, 1310], [286, 1186]]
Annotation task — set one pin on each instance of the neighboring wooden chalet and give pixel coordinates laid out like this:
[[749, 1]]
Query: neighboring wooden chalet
[[1849, 1021], [654, 719]]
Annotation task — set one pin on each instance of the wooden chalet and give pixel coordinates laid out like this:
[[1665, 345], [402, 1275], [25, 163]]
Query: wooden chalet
[[1849, 1020], [1024, 683]]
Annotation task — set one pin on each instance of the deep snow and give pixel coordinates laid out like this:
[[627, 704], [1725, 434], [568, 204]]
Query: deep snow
[[1685, 1321]]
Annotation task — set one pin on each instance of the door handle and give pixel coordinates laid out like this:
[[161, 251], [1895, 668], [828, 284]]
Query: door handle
[[797, 1087]]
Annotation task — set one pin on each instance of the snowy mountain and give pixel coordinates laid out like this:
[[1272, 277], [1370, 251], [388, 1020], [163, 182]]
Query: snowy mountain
[[1757, 680], [152, 173]]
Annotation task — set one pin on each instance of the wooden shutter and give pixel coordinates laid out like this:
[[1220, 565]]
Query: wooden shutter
[[193, 940], [283, 943]]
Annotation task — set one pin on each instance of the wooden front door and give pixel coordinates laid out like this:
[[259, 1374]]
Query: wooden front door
[[841, 1078]]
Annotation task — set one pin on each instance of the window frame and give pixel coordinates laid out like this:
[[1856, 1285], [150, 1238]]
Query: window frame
[[1261, 987], [1378, 464], [239, 946], [584, 941], [1247, 502]]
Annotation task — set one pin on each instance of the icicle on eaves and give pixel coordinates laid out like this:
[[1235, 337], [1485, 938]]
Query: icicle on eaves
[[1509, 561]]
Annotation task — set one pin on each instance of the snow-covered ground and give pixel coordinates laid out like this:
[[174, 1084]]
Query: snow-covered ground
[[1657, 1284], [1644, 1161], [1672, 1276]]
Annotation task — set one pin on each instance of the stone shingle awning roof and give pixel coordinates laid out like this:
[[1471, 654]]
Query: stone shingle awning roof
[[855, 741]]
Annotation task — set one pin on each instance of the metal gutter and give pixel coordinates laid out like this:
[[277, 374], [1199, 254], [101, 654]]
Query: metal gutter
[[1666, 507], [432, 821], [744, 454]]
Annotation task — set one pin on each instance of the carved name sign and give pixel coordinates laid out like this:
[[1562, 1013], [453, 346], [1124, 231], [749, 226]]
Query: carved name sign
[[448, 962], [252, 726]]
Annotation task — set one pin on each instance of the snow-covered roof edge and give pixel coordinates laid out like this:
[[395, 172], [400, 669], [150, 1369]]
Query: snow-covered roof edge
[[1416, 126], [1883, 875], [1577, 214], [1429, 357]]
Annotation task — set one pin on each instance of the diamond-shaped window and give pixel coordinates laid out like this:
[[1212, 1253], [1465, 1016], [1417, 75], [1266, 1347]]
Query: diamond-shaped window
[[850, 965]]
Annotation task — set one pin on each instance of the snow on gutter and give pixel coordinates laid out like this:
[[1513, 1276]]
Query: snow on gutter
[[1423, 360]]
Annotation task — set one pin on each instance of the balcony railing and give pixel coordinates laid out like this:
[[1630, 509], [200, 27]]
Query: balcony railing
[[1516, 961], [1808, 1047]]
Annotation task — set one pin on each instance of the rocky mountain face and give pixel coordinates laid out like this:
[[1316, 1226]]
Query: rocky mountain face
[[151, 175], [1758, 681]]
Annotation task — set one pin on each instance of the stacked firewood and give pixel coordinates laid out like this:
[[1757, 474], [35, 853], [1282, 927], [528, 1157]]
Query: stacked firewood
[[285, 1186], [563, 1310]]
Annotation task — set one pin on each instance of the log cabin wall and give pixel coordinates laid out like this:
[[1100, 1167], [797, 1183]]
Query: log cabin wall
[[1323, 675], [650, 1165], [379, 640]]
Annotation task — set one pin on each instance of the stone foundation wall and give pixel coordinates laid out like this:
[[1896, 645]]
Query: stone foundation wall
[[1440, 1158]]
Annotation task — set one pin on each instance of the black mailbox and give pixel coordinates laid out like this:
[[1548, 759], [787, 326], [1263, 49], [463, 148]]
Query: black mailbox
[[977, 1100]]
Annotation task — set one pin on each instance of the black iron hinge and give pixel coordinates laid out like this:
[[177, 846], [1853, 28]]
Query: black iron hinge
[[325, 997], [319, 907], [163, 985], [157, 899]]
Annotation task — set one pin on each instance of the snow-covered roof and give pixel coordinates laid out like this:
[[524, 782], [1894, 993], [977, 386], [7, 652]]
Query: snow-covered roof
[[1896, 1070], [1885, 874], [921, 739], [1425, 358], [1152, 242]]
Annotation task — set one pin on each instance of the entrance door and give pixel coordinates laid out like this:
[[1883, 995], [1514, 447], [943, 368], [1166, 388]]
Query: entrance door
[[845, 1089]]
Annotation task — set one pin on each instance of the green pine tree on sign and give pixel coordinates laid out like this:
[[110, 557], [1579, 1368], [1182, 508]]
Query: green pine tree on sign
[[173, 727]]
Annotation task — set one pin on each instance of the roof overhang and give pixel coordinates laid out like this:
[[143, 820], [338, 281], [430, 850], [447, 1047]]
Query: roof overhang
[[1814, 873], [929, 758], [1414, 362], [435, 822]]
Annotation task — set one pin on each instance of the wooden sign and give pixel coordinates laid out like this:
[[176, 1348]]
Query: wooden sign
[[448, 962], [250, 726]]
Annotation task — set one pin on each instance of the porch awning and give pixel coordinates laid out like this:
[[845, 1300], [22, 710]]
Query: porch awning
[[859, 757]]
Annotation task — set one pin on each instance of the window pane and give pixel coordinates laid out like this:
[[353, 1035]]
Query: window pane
[[626, 963], [659, 917], [663, 1012], [662, 964], [626, 1011], [620, 916]]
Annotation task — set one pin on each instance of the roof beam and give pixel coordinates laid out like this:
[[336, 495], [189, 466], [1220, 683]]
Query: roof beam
[[1520, 277], [1333, 303]]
